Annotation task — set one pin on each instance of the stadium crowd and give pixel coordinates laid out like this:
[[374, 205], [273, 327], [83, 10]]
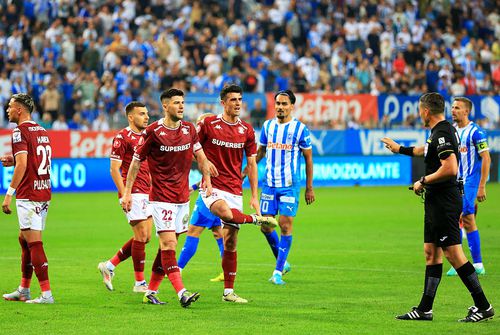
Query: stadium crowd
[[83, 61]]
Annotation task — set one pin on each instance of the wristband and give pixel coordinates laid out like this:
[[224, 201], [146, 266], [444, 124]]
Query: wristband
[[194, 187], [422, 180], [408, 151], [11, 191]]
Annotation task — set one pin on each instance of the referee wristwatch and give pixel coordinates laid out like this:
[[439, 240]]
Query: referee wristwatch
[[422, 181]]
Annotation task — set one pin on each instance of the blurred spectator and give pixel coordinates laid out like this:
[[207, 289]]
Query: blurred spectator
[[46, 121], [50, 100], [100, 123], [60, 123]]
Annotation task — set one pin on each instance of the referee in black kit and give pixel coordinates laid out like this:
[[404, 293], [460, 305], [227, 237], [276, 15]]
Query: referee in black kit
[[443, 205]]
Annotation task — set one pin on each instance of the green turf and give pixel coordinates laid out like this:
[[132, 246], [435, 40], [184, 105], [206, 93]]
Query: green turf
[[357, 261]]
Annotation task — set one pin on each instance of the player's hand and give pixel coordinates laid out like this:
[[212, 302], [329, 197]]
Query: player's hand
[[7, 160], [390, 144], [481, 193], [309, 196], [207, 187], [6, 204], [212, 169], [418, 188], [254, 203], [126, 202], [244, 173]]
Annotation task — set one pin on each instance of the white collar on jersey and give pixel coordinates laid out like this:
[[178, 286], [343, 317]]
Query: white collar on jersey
[[226, 122]]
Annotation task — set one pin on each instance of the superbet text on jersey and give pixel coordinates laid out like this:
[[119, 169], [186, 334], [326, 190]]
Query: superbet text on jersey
[[32, 139], [169, 152], [224, 144]]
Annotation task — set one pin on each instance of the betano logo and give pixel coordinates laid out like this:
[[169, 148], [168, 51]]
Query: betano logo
[[279, 146]]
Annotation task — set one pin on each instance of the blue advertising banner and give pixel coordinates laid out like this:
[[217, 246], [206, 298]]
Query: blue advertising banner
[[72, 175], [92, 174]]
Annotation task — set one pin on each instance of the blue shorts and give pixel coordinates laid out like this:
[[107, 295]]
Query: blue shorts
[[469, 199], [282, 199], [202, 217]]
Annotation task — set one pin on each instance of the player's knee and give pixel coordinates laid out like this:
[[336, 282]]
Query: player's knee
[[226, 215], [429, 255], [266, 230]]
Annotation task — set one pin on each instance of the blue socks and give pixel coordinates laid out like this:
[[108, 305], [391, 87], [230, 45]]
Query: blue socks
[[284, 249], [220, 244], [188, 251], [475, 246], [274, 241]]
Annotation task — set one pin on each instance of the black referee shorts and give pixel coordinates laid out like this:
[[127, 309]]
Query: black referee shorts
[[442, 214]]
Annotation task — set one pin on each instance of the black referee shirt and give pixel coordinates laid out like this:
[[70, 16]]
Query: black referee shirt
[[441, 144]]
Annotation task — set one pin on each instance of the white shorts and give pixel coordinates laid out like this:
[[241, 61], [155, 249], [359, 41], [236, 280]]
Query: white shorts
[[141, 210], [232, 200], [32, 214], [170, 217]]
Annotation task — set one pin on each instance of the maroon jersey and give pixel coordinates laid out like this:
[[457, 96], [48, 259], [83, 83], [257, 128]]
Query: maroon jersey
[[169, 152], [224, 144], [124, 145], [32, 139]]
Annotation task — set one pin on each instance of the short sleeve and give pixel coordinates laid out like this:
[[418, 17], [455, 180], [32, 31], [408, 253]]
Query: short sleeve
[[263, 134], [250, 144], [305, 139], [119, 148], [195, 139], [201, 131], [480, 141], [19, 142], [444, 144], [144, 145]]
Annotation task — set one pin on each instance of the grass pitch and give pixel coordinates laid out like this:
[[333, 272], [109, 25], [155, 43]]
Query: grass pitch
[[357, 259]]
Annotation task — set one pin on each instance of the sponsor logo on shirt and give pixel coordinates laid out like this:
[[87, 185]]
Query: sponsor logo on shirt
[[36, 128], [228, 144], [169, 148], [266, 196], [280, 146]]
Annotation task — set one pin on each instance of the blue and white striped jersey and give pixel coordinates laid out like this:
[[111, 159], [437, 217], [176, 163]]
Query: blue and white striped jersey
[[284, 143], [473, 141]]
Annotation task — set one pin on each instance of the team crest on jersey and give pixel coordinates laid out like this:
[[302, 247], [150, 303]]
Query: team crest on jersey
[[289, 137], [116, 144], [185, 131], [241, 130], [16, 136]]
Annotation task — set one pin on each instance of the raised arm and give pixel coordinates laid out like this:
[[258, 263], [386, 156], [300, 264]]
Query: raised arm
[[399, 149]]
